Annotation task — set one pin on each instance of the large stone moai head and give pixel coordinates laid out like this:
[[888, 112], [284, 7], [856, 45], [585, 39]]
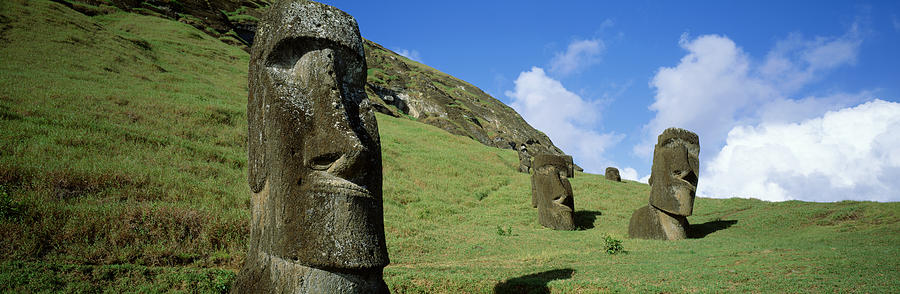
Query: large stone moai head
[[673, 184], [612, 174], [314, 157], [552, 192], [675, 170]]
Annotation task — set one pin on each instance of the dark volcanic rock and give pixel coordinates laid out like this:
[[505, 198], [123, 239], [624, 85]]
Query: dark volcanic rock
[[552, 192], [612, 174], [314, 158]]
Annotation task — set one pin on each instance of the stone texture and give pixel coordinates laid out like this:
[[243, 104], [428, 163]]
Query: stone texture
[[673, 184], [650, 223], [314, 158], [552, 192], [675, 170], [612, 174]]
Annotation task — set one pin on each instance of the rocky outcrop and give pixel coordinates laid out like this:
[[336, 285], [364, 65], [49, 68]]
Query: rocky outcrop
[[403, 87]]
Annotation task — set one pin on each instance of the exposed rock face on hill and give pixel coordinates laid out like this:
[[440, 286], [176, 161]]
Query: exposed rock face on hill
[[405, 87], [396, 85]]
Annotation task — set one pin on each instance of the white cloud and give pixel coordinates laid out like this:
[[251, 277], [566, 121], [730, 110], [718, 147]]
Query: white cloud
[[564, 116], [414, 55], [629, 174], [704, 92], [645, 179], [579, 54], [717, 86], [794, 62], [849, 154]]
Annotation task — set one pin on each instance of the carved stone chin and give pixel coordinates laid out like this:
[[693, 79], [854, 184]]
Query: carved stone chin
[[314, 156]]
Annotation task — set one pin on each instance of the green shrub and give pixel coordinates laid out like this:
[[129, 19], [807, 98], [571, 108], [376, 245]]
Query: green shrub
[[614, 246]]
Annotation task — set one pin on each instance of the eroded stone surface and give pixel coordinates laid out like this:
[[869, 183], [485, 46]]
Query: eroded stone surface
[[675, 170], [612, 174], [552, 192], [650, 223], [314, 157]]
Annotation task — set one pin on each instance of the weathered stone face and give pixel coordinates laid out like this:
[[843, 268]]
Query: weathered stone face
[[612, 174], [314, 150], [675, 170], [553, 193]]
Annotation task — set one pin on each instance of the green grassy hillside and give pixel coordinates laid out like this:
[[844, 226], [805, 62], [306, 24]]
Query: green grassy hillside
[[123, 169]]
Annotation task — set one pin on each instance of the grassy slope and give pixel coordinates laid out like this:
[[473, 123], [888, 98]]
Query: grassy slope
[[122, 164]]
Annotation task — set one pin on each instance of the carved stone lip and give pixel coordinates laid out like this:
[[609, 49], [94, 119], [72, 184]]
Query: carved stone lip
[[688, 184], [330, 184]]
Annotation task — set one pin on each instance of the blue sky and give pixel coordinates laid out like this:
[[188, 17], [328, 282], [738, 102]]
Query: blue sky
[[791, 99]]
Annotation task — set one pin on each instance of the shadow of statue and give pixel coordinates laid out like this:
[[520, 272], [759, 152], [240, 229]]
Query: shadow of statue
[[701, 230], [532, 283], [584, 219]]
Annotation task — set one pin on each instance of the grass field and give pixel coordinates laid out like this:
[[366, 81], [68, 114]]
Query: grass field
[[123, 169]]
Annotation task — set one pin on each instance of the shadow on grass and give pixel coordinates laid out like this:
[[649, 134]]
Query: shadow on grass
[[584, 219], [701, 230], [533, 283]]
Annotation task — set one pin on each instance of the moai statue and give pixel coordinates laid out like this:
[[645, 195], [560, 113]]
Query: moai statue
[[612, 174], [524, 159], [570, 166], [552, 192], [316, 223], [673, 186]]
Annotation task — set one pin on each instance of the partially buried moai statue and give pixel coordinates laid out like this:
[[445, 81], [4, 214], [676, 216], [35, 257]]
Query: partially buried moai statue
[[552, 192], [314, 158], [524, 159], [612, 174], [673, 184]]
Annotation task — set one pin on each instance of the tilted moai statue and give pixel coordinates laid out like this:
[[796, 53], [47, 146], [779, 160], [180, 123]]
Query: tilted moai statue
[[524, 159], [552, 192], [612, 174], [315, 173], [673, 186]]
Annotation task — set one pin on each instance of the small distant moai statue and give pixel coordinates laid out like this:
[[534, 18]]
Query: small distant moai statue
[[524, 159], [673, 186], [552, 192], [570, 166], [612, 174], [315, 174]]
